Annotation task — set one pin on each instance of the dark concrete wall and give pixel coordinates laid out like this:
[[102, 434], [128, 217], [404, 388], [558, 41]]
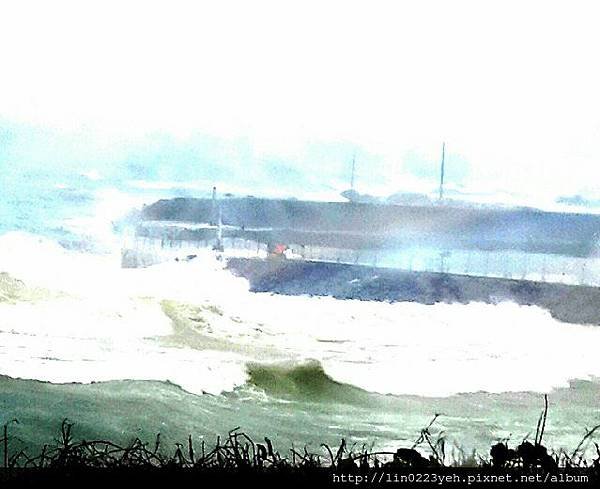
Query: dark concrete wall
[[568, 303], [353, 225]]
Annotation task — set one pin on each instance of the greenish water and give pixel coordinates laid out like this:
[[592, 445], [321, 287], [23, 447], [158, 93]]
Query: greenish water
[[433, 349], [123, 410]]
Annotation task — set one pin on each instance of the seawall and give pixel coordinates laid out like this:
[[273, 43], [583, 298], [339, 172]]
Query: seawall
[[362, 226], [568, 303]]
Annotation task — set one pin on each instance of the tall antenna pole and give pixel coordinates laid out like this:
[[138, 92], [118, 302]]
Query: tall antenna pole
[[220, 230], [213, 214], [352, 174], [442, 171]]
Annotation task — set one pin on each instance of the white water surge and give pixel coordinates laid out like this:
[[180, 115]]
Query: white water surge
[[90, 320]]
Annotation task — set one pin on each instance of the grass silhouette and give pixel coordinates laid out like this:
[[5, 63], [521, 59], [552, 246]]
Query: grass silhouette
[[237, 455]]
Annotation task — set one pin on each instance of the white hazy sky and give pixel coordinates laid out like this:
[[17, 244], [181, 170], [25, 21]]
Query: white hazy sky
[[513, 87]]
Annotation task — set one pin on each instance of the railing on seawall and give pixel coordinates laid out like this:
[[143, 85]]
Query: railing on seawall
[[510, 264]]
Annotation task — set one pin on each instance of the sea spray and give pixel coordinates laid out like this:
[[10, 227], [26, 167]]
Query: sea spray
[[197, 314]]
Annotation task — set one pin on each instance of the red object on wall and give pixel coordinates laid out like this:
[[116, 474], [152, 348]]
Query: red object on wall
[[279, 249]]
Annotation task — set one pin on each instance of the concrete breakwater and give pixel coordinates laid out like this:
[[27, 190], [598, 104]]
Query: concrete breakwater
[[357, 226], [511, 243], [568, 303]]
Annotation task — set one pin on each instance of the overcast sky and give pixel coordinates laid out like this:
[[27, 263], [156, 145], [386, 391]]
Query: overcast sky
[[512, 87]]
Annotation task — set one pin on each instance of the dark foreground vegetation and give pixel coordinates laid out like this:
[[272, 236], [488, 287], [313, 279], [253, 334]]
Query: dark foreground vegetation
[[239, 459]]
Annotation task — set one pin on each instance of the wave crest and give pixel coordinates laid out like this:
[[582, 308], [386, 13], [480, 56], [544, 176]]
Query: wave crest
[[304, 381]]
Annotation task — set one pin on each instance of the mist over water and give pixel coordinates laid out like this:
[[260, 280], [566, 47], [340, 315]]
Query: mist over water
[[191, 340]]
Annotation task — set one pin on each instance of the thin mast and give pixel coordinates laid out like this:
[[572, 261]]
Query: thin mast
[[220, 230], [442, 171], [352, 174], [213, 214]]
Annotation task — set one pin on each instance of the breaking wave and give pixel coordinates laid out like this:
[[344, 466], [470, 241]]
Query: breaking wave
[[72, 316], [305, 381]]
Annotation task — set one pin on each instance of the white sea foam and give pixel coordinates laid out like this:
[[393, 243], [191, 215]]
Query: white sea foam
[[107, 323]]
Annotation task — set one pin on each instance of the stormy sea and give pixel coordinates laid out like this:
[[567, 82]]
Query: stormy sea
[[185, 347]]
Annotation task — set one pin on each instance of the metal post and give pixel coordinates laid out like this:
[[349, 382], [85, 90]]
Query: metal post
[[442, 172], [352, 175], [213, 214]]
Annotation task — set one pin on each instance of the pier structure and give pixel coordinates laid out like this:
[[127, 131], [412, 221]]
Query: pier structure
[[521, 244]]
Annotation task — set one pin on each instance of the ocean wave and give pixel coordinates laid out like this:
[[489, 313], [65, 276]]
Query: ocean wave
[[401, 348], [13, 290], [195, 324], [306, 381]]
